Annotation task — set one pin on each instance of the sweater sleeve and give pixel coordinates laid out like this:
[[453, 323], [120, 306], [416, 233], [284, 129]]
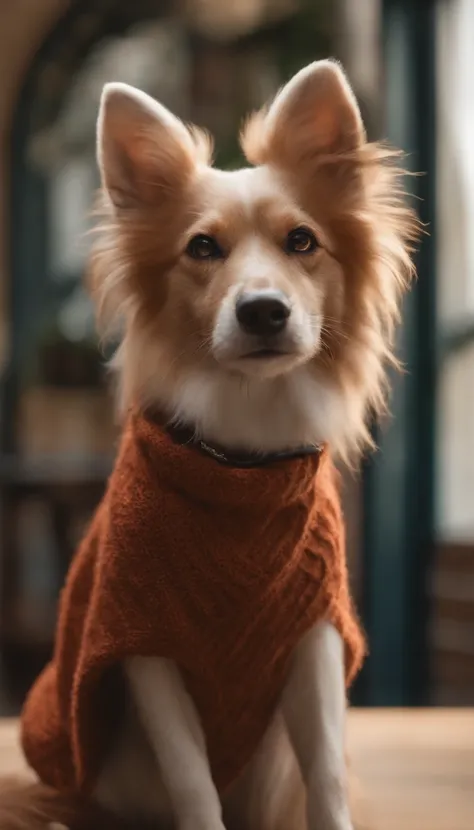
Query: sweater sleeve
[[328, 544]]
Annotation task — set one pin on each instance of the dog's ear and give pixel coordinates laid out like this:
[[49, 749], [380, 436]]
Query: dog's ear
[[144, 152], [315, 114]]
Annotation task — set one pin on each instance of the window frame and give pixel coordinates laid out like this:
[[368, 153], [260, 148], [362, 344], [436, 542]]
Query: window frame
[[399, 480]]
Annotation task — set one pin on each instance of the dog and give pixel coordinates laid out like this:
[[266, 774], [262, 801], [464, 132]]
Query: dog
[[258, 307]]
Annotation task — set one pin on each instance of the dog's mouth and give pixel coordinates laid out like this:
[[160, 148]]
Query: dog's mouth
[[264, 354], [266, 361], [263, 361]]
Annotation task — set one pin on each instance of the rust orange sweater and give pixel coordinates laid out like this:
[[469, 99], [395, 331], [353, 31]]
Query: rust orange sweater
[[220, 569]]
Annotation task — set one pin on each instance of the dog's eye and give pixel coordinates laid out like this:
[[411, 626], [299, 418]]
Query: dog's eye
[[301, 241], [203, 247]]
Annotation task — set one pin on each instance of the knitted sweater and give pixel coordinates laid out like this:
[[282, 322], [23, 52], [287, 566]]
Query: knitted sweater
[[222, 570]]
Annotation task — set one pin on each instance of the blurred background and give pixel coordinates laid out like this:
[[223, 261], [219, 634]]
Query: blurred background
[[410, 510]]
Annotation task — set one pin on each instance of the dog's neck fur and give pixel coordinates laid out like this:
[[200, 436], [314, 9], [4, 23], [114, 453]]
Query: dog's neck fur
[[250, 415], [255, 415]]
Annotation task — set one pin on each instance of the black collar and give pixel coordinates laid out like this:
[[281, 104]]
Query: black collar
[[185, 435]]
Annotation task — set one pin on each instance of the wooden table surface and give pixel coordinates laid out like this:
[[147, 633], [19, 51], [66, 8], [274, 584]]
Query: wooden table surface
[[415, 769]]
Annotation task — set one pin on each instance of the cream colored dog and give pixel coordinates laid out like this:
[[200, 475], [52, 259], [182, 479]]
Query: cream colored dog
[[314, 237]]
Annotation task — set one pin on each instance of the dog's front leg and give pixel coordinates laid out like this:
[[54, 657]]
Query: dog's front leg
[[172, 724], [314, 707]]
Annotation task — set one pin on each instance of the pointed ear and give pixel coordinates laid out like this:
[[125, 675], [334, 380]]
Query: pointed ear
[[315, 114], [143, 151]]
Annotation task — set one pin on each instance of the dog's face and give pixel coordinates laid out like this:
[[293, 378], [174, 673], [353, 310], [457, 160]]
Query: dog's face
[[270, 272], [251, 277]]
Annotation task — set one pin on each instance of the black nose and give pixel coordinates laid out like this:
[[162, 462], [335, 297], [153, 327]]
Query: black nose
[[262, 312]]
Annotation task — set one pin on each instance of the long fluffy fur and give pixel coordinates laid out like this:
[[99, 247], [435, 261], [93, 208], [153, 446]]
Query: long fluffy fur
[[379, 237]]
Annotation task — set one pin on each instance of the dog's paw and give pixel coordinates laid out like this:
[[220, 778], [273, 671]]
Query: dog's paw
[[334, 825], [330, 819], [201, 823]]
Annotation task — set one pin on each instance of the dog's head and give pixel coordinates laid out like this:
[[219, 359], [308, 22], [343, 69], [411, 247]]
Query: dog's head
[[278, 283]]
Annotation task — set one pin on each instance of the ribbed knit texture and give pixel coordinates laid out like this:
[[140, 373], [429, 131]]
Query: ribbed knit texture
[[222, 570]]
